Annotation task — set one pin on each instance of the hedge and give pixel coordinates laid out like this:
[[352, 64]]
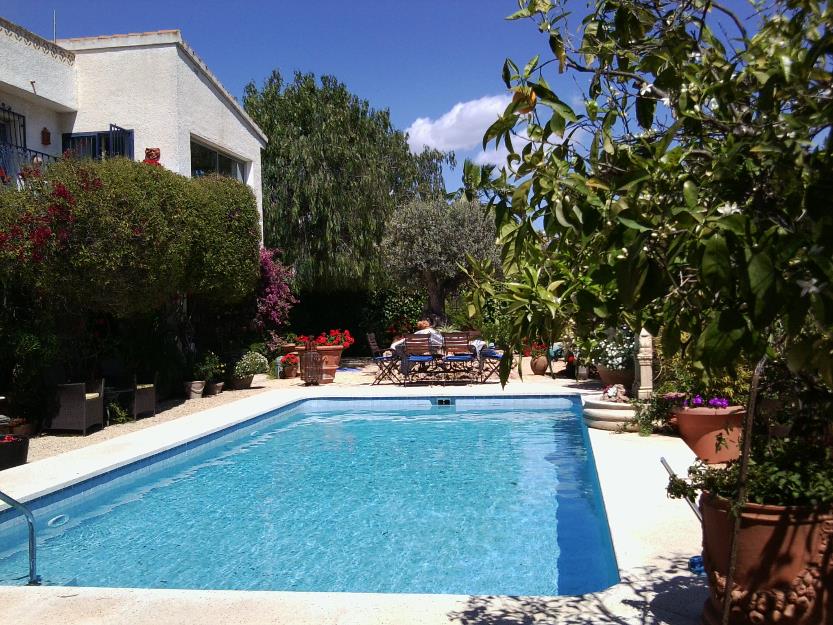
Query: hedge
[[122, 238]]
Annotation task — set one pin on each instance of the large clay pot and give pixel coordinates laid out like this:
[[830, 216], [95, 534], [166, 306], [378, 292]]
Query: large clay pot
[[213, 388], [288, 348], [330, 359], [783, 573], [290, 372], [242, 383], [700, 428], [14, 452], [194, 389], [609, 415], [609, 377], [539, 365]]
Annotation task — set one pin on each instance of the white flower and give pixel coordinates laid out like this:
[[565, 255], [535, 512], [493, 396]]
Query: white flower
[[666, 101], [729, 209], [645, 89], [808, 286]]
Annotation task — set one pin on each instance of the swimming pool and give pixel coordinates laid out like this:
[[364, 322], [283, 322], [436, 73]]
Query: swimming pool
[[483, 496]]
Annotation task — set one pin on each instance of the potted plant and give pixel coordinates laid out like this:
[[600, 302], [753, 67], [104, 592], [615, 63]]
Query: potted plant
[[330, 344], [611, 410], [709, 424], [289, 366], [212, 369], [614, 357], [195, 385], [785, 537], [245, 369], [537, 353], [13, 450]]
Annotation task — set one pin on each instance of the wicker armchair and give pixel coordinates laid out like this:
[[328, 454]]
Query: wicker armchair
[[144, 398], [81, 406]]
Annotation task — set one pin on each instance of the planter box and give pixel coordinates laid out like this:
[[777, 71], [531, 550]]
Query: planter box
[[330, 359], [14, 453], [213, 388]]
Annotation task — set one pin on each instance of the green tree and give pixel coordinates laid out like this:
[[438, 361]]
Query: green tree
[[333, 171], [693, 190], [429, 241]]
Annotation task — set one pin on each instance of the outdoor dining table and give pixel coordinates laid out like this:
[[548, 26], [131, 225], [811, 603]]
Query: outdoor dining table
[[437, 351]]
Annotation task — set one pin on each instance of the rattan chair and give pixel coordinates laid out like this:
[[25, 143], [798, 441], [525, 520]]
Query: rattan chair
[[388, 363], [80, 407], [144, 398]]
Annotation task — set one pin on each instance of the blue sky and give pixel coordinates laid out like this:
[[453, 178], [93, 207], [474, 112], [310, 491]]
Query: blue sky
[[435, 64]]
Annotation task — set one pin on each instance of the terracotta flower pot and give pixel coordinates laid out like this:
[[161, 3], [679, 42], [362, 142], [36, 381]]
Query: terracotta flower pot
[[783, 573], [13, 453], [242, 383], [213, 388], [288, 348], [194, 389], [539, 365], [290, 372], [330, 359], [609, 377], [700, 428]]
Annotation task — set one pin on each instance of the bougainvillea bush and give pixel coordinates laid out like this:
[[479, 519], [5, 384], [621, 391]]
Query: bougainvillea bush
[[274, 296]]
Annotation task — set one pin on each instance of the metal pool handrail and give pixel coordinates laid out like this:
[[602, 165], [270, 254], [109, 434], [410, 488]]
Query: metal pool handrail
[[690, 503], [34, 578]]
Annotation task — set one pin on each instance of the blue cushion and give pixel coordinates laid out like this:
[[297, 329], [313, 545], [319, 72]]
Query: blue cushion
[[420, 358], [379, 358], [459, 358], [491, 353]]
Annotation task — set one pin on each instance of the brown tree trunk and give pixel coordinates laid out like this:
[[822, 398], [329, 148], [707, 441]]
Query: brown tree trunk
[[436, 300]]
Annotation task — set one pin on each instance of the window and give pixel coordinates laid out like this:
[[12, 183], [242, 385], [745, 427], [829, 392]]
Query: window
[[114, 142], [205, 160]]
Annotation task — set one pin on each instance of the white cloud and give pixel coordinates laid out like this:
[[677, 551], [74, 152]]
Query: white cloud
[[497, 156], [461, 128]]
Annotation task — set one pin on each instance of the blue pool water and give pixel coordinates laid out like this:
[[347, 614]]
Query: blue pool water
[[482, 497]]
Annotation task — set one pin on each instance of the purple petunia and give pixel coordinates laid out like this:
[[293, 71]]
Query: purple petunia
[[697, 400], [719, 402]]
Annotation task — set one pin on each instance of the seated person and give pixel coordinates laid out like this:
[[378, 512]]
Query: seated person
[[424, 327]]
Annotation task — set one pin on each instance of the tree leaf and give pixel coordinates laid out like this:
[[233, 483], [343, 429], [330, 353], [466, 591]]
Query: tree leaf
[[645, 108], [690, 193], [715, 266]]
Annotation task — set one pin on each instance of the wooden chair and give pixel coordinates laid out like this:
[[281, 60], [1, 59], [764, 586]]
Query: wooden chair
[[388, 364], [80, 406], [490, 360], [418, 357], [458, 360]]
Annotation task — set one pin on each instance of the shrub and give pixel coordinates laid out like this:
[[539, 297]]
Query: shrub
[[274, 297], [224, 262], [210, 368], [251, 363]]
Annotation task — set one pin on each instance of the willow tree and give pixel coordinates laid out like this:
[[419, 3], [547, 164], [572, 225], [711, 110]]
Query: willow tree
[[333, 171]]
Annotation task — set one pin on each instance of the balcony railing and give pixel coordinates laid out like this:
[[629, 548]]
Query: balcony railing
[[15, 159]]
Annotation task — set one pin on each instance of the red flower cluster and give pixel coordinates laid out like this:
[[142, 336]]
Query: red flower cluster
[[289, 360], [335, 337], [8, 438], [536, 349]]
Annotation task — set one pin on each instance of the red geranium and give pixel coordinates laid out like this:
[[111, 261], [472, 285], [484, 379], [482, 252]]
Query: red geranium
[[326, 339], [289, 360]]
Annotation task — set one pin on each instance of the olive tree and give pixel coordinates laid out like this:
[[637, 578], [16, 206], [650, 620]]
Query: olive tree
[[429, 242]]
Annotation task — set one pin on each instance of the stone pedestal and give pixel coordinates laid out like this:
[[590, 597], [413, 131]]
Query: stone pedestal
[[643, 385]]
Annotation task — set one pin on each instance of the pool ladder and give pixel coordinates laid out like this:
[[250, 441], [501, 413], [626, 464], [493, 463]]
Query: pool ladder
[[34, 578]]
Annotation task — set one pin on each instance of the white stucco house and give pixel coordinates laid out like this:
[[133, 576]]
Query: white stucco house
[[121, 94]]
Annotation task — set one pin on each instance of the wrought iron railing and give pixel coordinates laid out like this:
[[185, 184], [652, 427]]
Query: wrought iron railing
[[14, 160]]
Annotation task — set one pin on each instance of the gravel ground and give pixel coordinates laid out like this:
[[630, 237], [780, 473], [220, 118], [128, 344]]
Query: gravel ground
[[49, 444]]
